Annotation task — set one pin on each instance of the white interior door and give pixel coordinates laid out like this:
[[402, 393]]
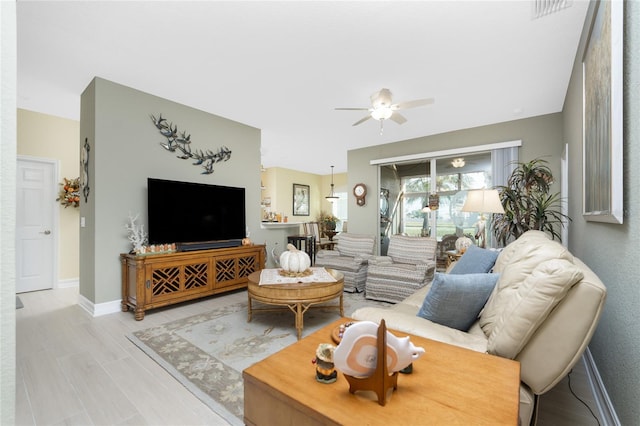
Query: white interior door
[[36, 224]]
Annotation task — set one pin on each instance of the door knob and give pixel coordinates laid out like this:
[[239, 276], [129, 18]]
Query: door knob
[[47, 232]]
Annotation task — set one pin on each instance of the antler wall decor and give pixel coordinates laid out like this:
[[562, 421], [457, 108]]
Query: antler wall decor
[[182, 142]]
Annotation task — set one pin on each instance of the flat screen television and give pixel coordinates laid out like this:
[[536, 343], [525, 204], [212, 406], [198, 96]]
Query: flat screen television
[[185, 212]]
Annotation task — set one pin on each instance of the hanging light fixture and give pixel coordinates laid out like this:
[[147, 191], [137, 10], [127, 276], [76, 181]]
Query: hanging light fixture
[[332, 196], [458, 162]]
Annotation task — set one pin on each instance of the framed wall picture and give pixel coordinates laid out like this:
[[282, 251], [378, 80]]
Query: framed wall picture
[[602, 115], [300, 200]]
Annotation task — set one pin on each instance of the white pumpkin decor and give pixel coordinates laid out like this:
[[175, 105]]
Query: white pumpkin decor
[[294, 260]]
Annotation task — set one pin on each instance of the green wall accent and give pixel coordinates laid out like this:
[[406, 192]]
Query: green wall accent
[[125, 151], [612, 250], [541, 137]]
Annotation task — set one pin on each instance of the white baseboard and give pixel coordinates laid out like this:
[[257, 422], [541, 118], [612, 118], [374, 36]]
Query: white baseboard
[[605, 407], [96, 310], [68, 283]]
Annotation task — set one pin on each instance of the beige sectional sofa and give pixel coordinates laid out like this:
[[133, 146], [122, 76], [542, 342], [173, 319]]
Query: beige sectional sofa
[[542, 312]]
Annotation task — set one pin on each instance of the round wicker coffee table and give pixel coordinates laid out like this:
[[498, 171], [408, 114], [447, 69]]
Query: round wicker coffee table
[[297, 297]]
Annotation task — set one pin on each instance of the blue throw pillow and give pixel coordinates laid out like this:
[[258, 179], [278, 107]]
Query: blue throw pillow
[[475, 260], [456, 300]]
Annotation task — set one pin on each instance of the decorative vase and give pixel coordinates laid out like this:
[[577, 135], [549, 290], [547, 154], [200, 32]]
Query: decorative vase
[[463, 243]]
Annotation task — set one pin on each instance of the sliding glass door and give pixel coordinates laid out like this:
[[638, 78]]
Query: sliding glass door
[[423, 194], [454, 177], [412, 204]]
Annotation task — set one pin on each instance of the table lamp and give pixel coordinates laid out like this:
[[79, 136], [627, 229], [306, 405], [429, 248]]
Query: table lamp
[[482, 201]]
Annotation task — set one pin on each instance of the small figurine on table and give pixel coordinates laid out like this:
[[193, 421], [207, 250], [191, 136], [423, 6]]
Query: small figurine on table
[[325, 371]]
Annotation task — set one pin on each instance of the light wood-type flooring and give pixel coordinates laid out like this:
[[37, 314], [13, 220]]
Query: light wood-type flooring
[[73, 369]]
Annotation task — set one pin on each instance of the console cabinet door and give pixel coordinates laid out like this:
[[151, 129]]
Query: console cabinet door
[[167, 281], [235, 268]]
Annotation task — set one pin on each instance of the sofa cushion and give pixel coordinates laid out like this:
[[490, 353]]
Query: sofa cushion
[[456, 300], [514, 264], [475, 260], [404, 319], [354, 244], [525, 308]]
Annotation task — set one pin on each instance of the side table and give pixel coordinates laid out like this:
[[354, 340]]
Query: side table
[[309, 245]]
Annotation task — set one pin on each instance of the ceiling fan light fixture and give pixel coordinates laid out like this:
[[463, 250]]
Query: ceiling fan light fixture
[[332, 196], [458, 162], [381, 113]]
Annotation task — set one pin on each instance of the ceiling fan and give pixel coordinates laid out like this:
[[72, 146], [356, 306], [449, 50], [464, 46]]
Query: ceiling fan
[[382, 109]]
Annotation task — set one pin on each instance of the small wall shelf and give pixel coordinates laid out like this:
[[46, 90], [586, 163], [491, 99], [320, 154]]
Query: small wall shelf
[[279, 225]]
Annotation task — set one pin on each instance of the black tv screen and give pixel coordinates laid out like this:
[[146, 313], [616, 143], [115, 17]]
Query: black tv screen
[[187, 212]]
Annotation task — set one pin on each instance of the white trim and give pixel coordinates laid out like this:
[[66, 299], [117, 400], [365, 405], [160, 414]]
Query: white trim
[[68, 283], [446, 152], [97, 310], [605, 407]]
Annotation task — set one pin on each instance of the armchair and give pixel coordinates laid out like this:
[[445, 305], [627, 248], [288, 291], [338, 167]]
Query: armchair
[[350, 257], [409, 265]]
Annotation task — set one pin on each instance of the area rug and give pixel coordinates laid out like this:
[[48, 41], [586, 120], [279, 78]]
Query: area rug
[[207, 352]]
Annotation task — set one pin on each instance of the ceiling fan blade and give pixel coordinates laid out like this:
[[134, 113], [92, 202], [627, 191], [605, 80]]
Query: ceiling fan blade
[[398, 118], [413, 104], [352, 109], [362, 120]]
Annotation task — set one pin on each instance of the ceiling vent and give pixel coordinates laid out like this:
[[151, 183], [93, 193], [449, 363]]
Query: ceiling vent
[[545, 7]]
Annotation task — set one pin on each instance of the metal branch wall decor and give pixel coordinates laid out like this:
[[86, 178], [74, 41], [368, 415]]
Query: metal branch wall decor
[[84, 169], [181, 142]]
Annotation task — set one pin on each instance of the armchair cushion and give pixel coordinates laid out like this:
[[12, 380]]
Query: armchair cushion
[[405, 249], [475, 260], [380, 260], [420, 273], [355, 244], [456, 300]]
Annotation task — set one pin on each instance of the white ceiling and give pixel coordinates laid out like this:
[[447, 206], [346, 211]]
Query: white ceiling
[[284, 66]]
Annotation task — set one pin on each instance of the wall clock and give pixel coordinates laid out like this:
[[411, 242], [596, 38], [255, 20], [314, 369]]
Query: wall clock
[[360, 192]]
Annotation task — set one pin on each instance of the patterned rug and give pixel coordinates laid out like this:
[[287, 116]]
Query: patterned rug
[[207, 352]]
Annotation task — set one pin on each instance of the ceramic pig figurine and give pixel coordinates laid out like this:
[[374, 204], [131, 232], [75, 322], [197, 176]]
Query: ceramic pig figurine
[[356, 355]]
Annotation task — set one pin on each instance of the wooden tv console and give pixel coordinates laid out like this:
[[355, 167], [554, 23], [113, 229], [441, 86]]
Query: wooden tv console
[[155, 280]]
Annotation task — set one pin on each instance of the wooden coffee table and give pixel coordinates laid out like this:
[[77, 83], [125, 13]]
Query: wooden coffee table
[[298, 297], [449, 386]]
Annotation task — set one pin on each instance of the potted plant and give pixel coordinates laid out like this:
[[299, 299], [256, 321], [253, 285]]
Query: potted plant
[[528, 203], [328, 221]]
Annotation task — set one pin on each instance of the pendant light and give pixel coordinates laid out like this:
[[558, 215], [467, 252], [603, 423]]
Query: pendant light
[[332, 196]]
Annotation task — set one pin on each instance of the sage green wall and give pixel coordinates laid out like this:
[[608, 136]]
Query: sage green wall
[[541, 137], [42, 135], [125, 151], [612, 250]]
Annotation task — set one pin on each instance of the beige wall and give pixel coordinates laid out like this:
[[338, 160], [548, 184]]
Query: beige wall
[[612, 250], [46, 136], [279, 182]]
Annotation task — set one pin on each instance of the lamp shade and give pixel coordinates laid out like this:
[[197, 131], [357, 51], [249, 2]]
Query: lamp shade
[[483, 201]]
